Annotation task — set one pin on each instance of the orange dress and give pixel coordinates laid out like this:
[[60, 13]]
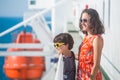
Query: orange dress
[[85, 62]]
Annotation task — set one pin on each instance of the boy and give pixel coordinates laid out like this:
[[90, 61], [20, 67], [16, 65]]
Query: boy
[[63, 42]]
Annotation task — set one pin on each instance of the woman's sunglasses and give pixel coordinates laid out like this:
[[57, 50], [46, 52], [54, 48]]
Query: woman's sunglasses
[[83, 20], [56, 45]]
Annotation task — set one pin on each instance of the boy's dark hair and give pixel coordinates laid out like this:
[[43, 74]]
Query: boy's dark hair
[[65, 38]]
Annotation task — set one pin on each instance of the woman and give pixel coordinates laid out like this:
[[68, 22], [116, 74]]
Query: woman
[[90, 49]]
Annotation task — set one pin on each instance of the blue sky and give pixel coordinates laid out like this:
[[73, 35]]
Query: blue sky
[[13, 7]]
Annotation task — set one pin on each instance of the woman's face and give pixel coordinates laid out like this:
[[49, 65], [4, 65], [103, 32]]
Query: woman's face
[[85, 21]]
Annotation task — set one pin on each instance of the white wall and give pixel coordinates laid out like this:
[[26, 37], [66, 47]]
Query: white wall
[[112, 44], [60, 15], [40, 4]]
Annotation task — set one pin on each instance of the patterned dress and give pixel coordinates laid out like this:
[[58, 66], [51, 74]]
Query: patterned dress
[[85, 63]]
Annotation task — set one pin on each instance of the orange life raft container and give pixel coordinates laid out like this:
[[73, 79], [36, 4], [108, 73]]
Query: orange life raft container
[[23, 68]]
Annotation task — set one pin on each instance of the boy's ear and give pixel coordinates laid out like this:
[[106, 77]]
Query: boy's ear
[[67, 45]]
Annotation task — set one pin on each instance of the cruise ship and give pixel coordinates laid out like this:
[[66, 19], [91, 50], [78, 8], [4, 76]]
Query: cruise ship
[[27, 29]]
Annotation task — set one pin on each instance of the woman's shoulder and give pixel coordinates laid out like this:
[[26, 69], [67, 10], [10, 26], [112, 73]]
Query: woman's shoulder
[[98, 40], [98, 37]]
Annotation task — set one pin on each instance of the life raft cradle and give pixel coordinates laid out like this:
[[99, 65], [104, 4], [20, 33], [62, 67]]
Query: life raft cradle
[[23, 68]]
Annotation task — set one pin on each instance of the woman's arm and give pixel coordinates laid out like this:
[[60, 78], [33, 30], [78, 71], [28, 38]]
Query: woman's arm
[[97, 48]]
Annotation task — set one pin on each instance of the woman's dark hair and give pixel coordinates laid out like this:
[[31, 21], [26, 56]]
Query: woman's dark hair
[[65, 38], [96, 25]]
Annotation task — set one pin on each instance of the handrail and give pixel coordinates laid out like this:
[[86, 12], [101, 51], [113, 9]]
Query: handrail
[[22, 45], [114, 67], [27, 53], [29, 19]]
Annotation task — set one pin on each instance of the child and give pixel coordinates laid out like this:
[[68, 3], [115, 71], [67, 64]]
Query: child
[[63, 42]]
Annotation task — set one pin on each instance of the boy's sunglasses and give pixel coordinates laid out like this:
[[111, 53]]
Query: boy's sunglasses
[[56, 45], [83, 20]]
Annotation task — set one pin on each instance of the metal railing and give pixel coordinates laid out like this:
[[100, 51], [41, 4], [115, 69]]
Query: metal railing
[[47, 49]]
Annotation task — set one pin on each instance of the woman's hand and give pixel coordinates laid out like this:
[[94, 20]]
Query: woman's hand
[[92, 77], [76, 56]]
